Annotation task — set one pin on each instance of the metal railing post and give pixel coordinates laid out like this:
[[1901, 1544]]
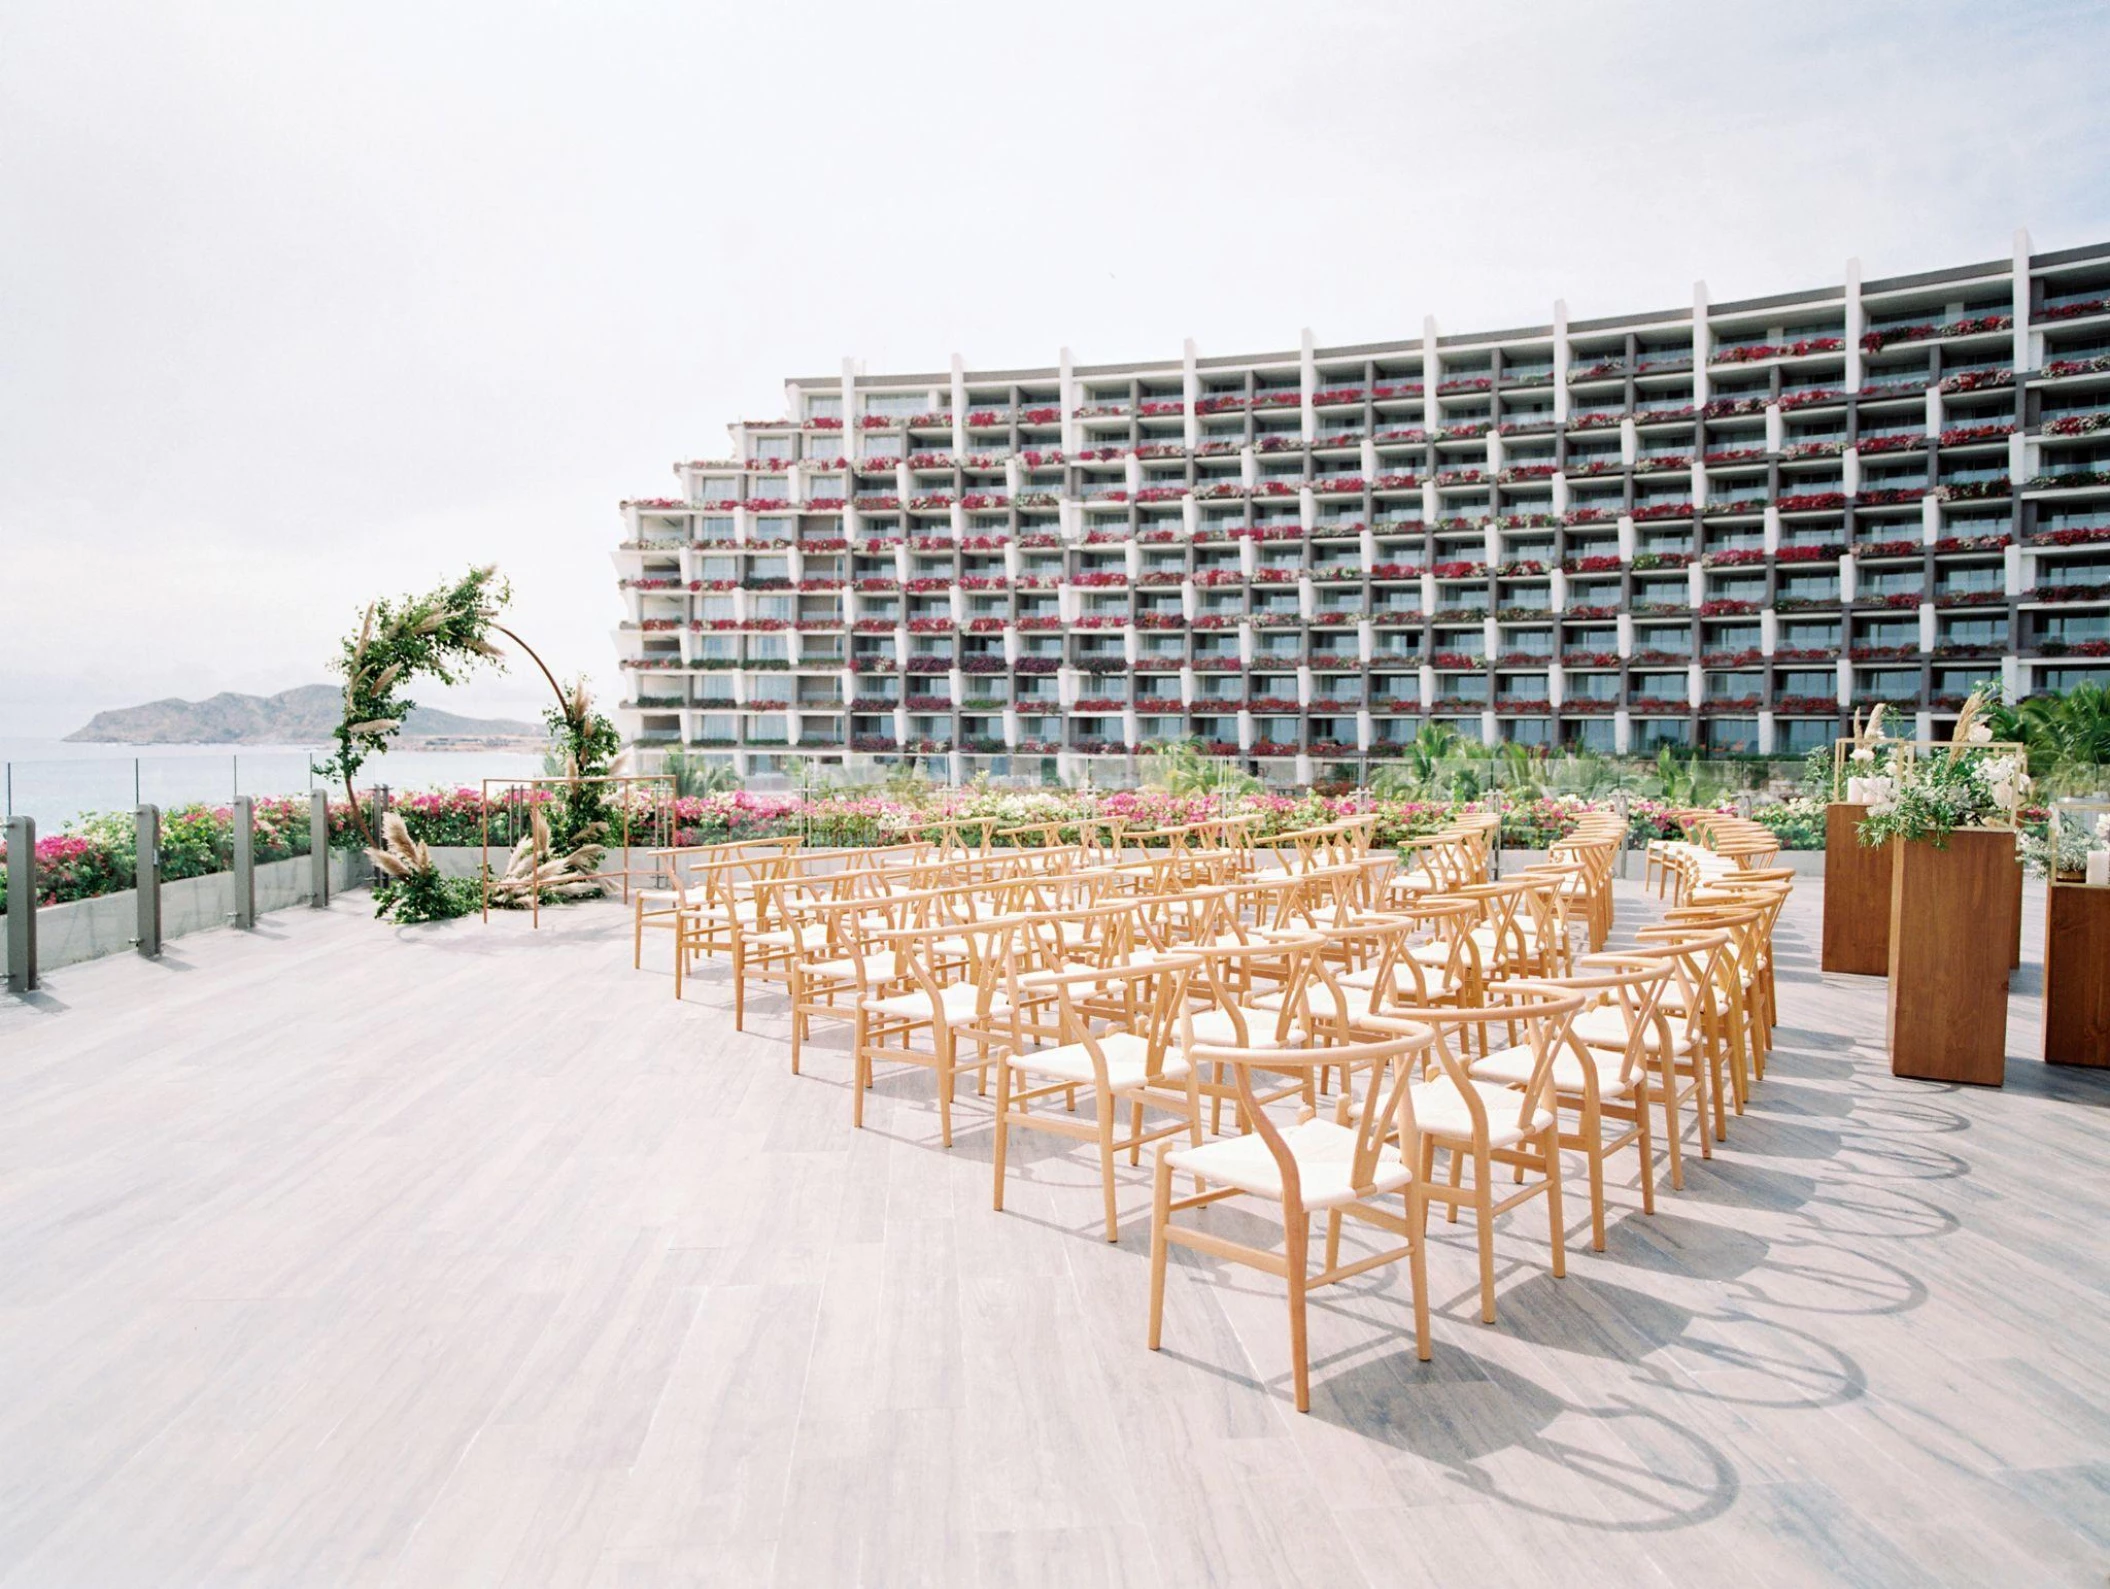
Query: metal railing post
[[244, 861], [22, 904], [319, 849], [146, 878]]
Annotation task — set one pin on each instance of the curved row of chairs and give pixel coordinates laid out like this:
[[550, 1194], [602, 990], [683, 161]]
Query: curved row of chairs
[[1303, 1020]]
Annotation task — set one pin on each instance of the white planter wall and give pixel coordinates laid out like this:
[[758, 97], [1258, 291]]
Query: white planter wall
[[87, 929]]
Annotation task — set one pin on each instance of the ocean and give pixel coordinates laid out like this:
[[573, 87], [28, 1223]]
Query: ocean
[[54, 781]]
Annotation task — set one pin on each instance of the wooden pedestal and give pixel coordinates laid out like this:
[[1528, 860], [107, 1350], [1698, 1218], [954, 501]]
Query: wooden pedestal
[[1949, 949], [1856, 896], [2076, 975]]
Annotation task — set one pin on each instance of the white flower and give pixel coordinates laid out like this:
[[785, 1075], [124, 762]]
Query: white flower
[[1863, 754], [1880, 795], [1979, 733]]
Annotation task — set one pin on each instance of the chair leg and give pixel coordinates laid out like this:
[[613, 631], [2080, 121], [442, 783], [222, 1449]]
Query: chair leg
[[1105, 1103], [941, 1039], [739, 983], [1160, 1212], [861, 1070], [1295, 1251], [1643, 1139], [1553, 1200], [1593, 1150], [637, 937], [1671, 1143], [1135, 1134], [1484, 1215], [1418, 1266], [1003, 1128]]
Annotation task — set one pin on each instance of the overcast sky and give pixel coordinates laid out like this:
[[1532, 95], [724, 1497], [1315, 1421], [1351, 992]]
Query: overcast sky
[[302, 304]]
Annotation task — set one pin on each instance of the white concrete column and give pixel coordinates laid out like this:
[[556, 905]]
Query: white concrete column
[[1560, 361], [1308, 383], [2021, 302], [1929, 626], [1695, 685], [1776, 429], [1490, 729], [959, 405], [1856, 324], [1629, 442], [1765, 732], [1768, 632], [1066, 387], [1845, 670], [1624, 624], [1622, 731], [1930, 521], [1849, 578], [2011, 570], [1190, 394], [1772, 530], [1702, 344], [1426, 680], [1850, 471]]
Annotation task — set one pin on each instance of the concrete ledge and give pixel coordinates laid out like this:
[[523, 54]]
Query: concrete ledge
[[87, 929]]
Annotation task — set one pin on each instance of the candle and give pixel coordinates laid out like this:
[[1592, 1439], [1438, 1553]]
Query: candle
[[2099, 868]]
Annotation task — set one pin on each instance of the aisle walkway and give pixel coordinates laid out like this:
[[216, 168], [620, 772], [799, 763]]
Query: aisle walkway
[[459, 1255]]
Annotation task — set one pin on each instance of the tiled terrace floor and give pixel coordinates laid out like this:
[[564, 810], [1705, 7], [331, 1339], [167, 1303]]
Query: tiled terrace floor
[[460, 1255]]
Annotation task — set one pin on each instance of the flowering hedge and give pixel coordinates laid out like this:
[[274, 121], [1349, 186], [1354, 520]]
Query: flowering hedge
[[95, 855]]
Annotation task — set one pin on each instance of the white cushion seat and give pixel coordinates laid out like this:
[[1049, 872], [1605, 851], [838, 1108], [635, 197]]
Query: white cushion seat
[[1324, 1154], [1321, 1000], [1605, 1027], [960, 1005], [812, 936], [880, 966], [1513, 1067], [1441, 1110], [1127, 1062], [1214, 1028]]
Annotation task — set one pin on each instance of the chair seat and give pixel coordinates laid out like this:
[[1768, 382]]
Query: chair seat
[[1127, 1062], [1214, 1027], [1605, 1027], [1513, 1067], [1441, 1110], [1435, 980], [812, 936], [1323, 1152], [881, 966], [960, 1005], [1322, 1002]]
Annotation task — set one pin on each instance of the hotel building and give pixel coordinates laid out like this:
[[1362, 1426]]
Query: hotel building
[[1723, 526]]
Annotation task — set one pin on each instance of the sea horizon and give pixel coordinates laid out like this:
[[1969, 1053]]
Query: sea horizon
[[57, 781]]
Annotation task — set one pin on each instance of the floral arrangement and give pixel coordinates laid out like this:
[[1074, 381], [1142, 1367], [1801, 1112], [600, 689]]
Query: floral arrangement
[[1975, 784]]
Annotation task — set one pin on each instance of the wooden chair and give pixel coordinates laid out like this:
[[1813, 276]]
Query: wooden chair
[[958, 993], [1487, 1122], [1350, 1166], [1117, 1033], [1600, 1085]]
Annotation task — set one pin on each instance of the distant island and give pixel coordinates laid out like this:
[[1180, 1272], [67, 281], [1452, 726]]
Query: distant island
[[306, 716]]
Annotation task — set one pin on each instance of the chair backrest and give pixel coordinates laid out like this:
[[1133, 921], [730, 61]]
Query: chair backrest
[[1377, 1102], [1146, 1001], [1634, 985], [1537, 1016]]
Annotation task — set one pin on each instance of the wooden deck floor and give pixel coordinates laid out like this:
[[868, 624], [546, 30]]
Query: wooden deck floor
[[459, 1255]]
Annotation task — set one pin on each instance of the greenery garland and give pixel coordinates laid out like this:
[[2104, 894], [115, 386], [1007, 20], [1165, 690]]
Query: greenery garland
[[443, 635]]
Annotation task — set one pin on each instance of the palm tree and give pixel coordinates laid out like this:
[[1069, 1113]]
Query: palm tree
[[2067, 736], [1180, 767]]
